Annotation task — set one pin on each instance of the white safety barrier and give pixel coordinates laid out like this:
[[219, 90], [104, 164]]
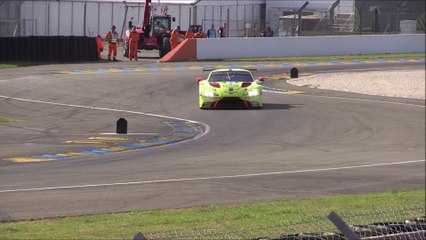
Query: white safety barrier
[[222, 48]]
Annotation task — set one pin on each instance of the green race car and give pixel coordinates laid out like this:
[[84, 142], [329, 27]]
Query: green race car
[[230, 88]]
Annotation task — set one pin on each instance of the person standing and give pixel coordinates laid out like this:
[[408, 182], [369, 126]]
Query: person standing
[[112, 38], [133, 41], [131, 23], [100, 46], [189, 33], [159, 27], [199, 33], [175, 37], [211, 33], [269, 32], [222, 31]]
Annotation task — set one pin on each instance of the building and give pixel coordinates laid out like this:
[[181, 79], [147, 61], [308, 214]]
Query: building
[[353, 16], [244, 17], [93, 17]]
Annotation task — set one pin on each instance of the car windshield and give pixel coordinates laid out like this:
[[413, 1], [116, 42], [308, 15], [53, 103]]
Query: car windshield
[[231, 77], [161, 24]]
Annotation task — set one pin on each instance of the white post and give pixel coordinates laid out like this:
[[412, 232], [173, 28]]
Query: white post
[[48, 19], [99, 17], [84, 18], [72, 18], [59, 18], [33, 20], [180, 15]]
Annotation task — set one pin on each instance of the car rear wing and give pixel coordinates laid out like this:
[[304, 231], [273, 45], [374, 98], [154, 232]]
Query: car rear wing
[[209, 68]]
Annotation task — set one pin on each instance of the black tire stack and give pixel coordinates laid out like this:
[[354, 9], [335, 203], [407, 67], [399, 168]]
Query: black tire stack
[[48, 49]]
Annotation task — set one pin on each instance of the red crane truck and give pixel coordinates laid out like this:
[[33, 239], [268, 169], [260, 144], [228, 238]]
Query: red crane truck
[[154, 32]]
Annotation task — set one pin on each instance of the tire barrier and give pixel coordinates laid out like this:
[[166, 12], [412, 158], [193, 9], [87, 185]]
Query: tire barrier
[[294, 73], [48, 49], [122, 126]]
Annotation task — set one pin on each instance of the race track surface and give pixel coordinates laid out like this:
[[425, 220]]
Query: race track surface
[[310, 144]]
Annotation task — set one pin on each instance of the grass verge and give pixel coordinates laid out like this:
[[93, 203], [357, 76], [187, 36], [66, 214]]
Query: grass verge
[[333, 58], [125, 225], [15, 64], [5, 120]]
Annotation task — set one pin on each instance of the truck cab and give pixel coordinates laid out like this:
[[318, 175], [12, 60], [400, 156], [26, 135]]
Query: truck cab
[[154, 32]]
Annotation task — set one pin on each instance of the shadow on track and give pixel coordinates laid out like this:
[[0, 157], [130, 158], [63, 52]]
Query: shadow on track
[[266, 106], [277, 106]]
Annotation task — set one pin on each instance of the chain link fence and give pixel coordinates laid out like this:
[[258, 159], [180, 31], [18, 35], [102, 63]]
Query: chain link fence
[[237, 28], [408, 222]]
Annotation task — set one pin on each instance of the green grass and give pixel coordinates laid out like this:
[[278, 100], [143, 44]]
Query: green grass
[[15, 64], [334, 58], [248, 216], [5, 120]]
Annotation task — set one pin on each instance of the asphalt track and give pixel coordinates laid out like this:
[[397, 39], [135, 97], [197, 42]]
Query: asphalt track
[[315, 143]]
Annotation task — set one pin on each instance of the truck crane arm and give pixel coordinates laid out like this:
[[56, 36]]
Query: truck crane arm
[[147, 13]]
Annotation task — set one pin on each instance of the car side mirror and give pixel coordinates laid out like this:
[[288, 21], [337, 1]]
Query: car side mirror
[[173, 19], [199, 79]]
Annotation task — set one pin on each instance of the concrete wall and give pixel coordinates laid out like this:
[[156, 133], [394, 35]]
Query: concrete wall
[[223, 48]]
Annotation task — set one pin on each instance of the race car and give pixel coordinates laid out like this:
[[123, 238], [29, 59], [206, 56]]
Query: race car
[[230, 88]]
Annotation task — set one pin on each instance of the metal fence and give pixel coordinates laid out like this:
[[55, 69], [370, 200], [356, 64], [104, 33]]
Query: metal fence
[[91, 17], [364, 17], [237, 28], [314, 24], [406, 222]]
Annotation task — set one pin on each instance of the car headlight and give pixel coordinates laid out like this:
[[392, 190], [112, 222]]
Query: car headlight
[[208, 93], [253, 93]]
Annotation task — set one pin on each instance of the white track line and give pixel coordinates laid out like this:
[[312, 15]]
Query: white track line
[[349, 99], [179, 180], [207, 127], [363, 100]]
